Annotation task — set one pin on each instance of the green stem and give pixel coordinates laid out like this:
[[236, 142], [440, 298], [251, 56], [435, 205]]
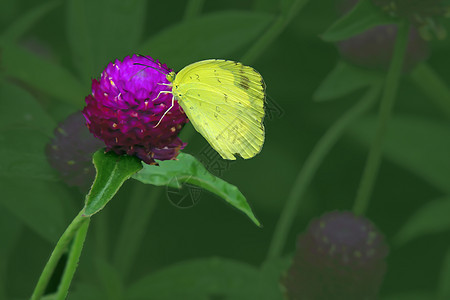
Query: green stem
[[310, 167], [72, 261], [273, 32], [432, 85], [387, 103], [101, 242], [59, 250], [134, 225], [193, 9]]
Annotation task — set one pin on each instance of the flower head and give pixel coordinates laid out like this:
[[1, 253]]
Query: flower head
[[422, 14], [374, 48], [340, 256], [126, 110], [70, 152]]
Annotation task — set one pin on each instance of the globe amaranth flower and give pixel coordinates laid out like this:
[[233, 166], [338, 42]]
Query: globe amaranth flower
[[340, 256], [70, 152], [422, 14], [374, 47], [126, 110]]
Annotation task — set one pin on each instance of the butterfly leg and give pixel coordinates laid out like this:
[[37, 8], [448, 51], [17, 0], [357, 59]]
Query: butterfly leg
[[173, 101], [162, 92]]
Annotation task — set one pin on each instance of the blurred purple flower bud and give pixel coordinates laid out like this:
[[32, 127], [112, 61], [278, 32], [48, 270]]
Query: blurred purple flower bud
[[374, 48], [70, 152], [340, 256]]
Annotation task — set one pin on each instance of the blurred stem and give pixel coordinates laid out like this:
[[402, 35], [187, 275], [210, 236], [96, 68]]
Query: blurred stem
[[101, 236], [273, 31], [9, 242], [59, 250], [193, 9], [310, 166], [72, 261], [432, 84], [134, 225], [387, 103], [443, 290]]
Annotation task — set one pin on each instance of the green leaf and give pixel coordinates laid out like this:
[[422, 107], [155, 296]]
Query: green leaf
[[201, 279], [418, 144], [24, 131], [27, 21], [432, 218], [363, 16], [216, 35], [22, 155], [187, 169], [10, 230], [37, 203], [268, 286], [101, 31], [21, 110], [432, 85], [112, 171], [444, 279], [110, 279], [86, 291], [41, 75], [345, 79], [410, 295]]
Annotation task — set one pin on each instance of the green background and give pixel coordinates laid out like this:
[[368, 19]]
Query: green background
[[47, 61]]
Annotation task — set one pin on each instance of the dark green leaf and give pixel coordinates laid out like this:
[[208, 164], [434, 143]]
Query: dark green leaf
[[363, 16], [24, 131], [101, 31], [432, 218], [269, 287], [110, 279], [38, 204], [112, 171], [22, 155], [86, 291], [435, 87], [41, 75], [187, 169], [345, 79], [202, 279], [444, 279], [216, 35], [10, 230], [417, 144], [410, 295], [27, 21], [21, 110]]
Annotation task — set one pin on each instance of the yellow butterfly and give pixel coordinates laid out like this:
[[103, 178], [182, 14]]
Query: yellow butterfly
[[224, 100]]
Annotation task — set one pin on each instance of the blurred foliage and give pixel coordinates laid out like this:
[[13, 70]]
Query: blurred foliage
[[50, 51]]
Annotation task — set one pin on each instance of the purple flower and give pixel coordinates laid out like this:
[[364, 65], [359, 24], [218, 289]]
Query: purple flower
[[126, 110], [374, 48], [340, 256], [70, 152]]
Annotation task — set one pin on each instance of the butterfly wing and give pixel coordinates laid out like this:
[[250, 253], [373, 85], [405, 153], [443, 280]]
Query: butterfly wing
[[224, 100]]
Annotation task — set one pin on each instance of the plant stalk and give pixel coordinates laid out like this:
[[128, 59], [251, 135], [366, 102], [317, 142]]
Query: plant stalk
[[311, 166], [59, 250], [386, 106]]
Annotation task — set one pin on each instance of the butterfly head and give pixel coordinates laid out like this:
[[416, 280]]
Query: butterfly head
[[171, 76]]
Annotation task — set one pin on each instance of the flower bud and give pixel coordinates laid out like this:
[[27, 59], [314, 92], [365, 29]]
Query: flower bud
[[340, 256], [70, 152]]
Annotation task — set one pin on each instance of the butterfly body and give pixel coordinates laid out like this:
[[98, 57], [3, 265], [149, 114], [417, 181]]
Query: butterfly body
[[224, 100]]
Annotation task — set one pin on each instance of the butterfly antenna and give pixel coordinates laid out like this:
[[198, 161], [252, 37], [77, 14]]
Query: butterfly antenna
[[147, 66], [165, 112]]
